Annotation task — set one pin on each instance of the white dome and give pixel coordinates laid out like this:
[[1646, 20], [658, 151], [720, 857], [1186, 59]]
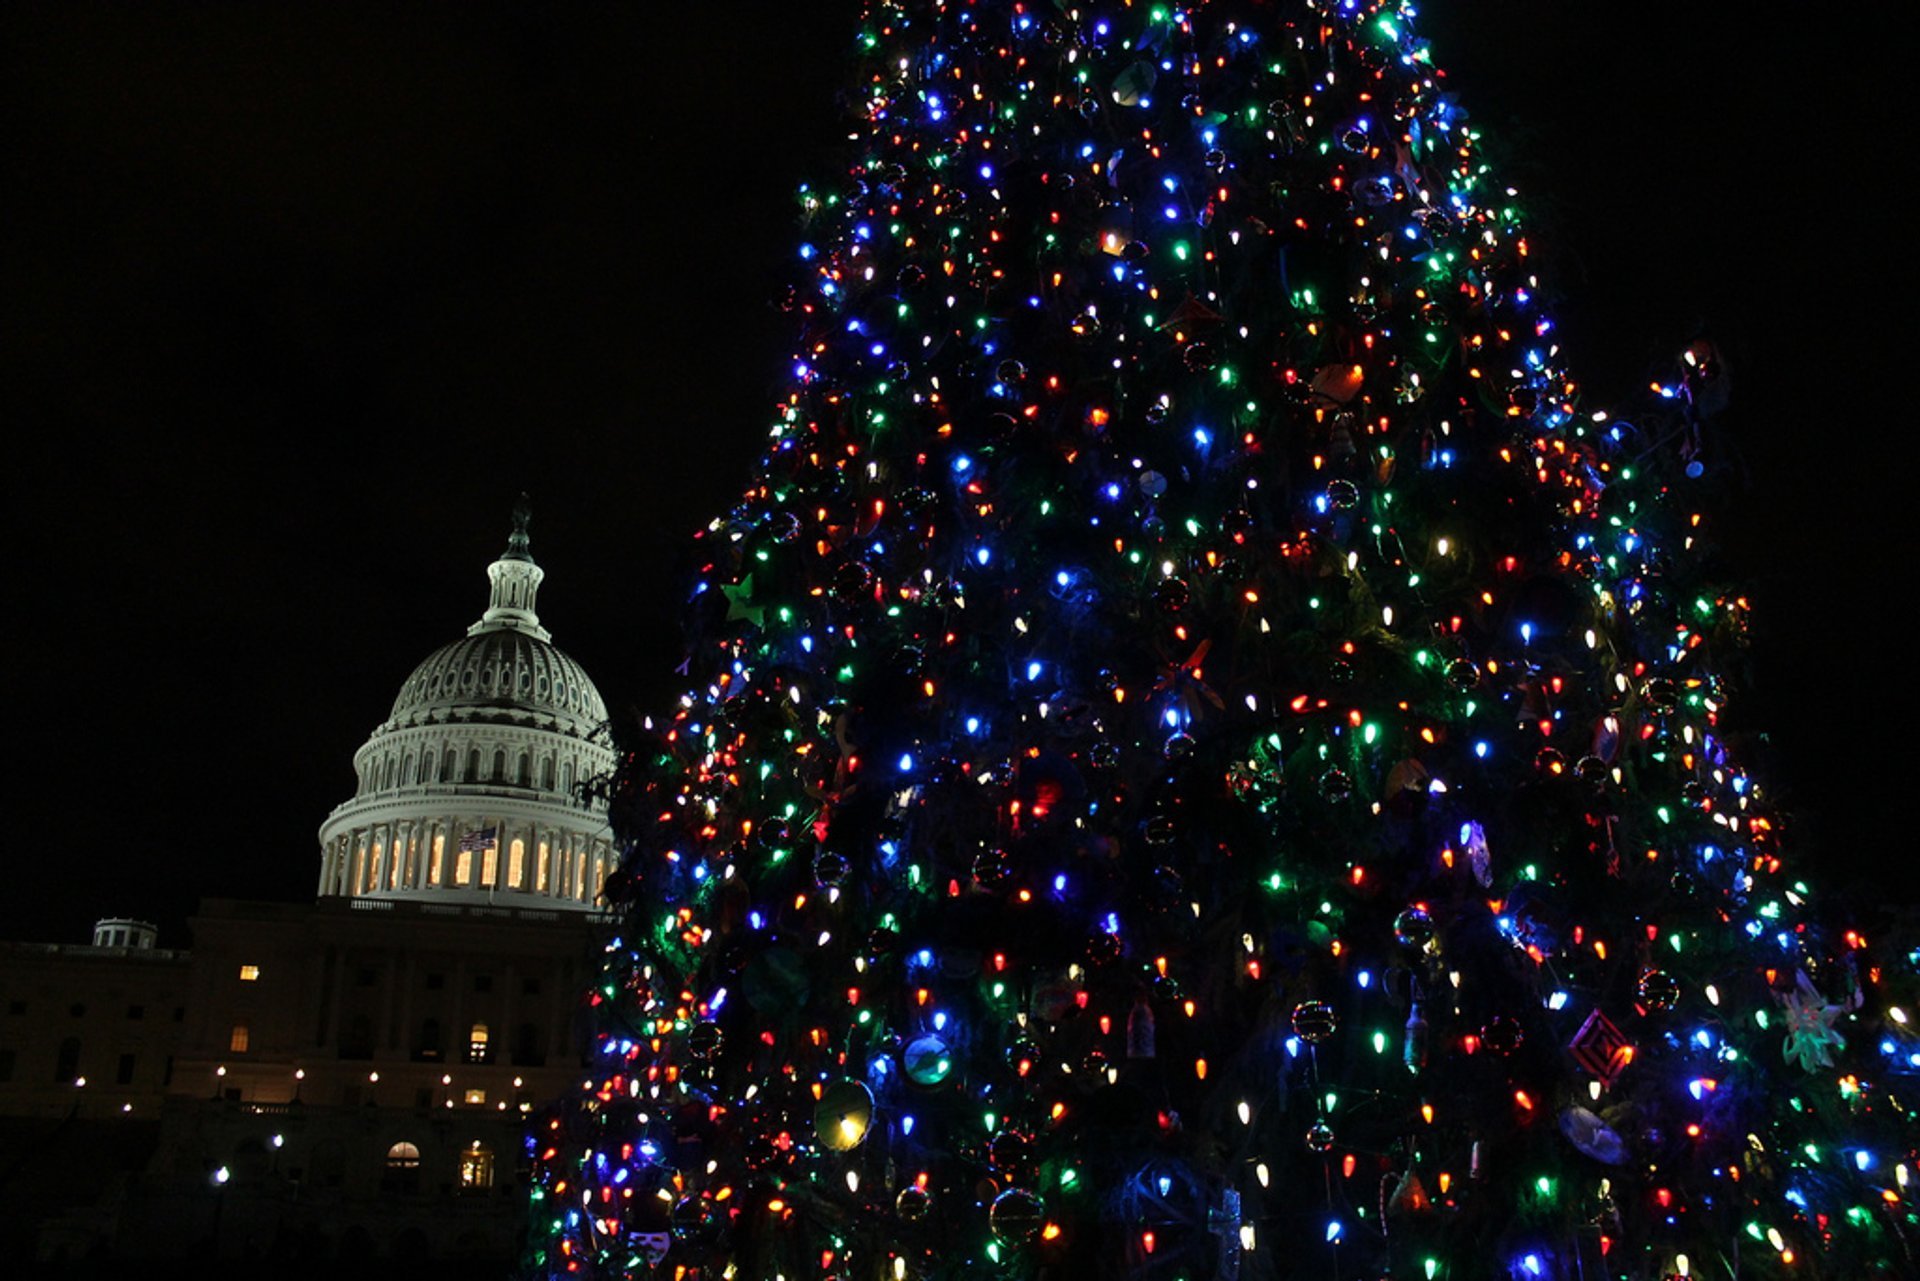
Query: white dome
[[475, 788]]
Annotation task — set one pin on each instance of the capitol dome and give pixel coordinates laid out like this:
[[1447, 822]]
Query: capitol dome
[[474, 789]]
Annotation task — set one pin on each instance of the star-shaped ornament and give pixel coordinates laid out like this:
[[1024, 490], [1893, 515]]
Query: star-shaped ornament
[[740, 603]]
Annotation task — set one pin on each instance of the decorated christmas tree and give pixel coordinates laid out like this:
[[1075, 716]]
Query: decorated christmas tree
[[1203, 757]]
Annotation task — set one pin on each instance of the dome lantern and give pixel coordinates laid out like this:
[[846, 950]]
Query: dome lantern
[[516, 580]]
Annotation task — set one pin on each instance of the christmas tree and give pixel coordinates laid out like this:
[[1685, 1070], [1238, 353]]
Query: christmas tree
[[1203, 758]]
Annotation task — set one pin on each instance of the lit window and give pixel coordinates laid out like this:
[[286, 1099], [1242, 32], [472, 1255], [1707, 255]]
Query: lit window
[[476, 1166], [476, 1096], [403, 1156], [238, 1038], [477, 1044], [249, 974]]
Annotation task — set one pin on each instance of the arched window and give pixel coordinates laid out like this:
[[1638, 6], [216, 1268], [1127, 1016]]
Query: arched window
[[473, 766], [386, 775], [546, 774], [476, 1165], [239, 1038], [477, 1044], [447, 765], [566, 776], [516, 864], [499, 764], [406, 769], [403, 1168], [523, 773]]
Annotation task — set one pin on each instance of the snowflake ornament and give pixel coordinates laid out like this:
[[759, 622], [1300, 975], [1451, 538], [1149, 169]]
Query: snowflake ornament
[[1811, 1037]]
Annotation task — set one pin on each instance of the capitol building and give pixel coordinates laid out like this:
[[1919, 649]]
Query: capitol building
[[341, 1083]]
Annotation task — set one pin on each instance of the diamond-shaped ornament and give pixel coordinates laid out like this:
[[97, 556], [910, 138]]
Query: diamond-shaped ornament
[[1601, 1048]]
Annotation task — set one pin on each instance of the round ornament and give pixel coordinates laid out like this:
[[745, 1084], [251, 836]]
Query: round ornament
[[1462, 674], [1315, 1021], [1172, 595], [1178, 747], [1023, 1055], [1659, 991], [843, 1116], [1017, 1215], [1502, 1035], [1413, 929], [913, 1204], [927, 1060], [1320, 1137], [694, 1219], [852, 580], [704, 1040], [1009, 1150], [1343, 495], [992, 867], [784, 526], [1336, 785], [830, 869]]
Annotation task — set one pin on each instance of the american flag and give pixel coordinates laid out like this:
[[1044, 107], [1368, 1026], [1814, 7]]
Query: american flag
[[484, 838]]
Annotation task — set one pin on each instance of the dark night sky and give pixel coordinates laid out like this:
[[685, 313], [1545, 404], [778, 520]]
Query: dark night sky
[[294, 299]]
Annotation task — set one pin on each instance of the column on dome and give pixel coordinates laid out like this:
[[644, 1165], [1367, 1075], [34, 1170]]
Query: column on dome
[[428, 829], [409, 855]]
